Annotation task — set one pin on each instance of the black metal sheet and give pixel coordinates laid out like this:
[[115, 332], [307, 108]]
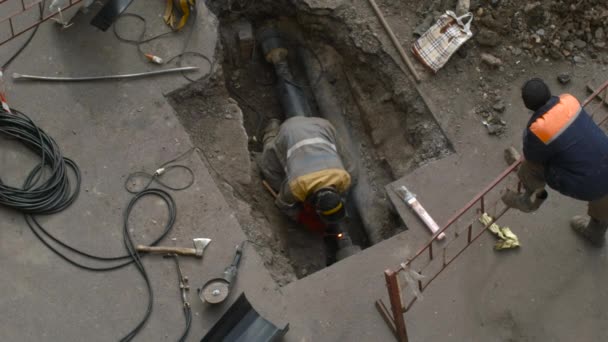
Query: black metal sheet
[[108, 13], [241, 323]]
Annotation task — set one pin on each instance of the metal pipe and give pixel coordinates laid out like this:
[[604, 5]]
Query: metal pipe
[[21, 77], [291, 95], [367, 206]]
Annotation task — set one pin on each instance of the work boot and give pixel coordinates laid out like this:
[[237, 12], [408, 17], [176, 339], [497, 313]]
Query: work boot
[[527, 202], [271, 130], [591, 229]]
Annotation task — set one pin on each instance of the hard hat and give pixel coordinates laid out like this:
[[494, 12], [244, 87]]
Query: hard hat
[[329, 205]]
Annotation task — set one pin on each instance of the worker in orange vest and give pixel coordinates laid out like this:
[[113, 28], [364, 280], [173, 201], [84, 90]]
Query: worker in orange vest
[[564, 148]]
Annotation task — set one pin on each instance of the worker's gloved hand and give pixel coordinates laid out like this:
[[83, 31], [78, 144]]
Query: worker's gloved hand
[[309, 218], [291, 210], [527, 202]]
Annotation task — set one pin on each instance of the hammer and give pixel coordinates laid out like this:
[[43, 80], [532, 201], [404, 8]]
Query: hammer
[[197, 251]]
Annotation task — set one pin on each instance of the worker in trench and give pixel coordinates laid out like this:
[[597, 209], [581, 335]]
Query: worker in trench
[[564, 148], [310, 168]]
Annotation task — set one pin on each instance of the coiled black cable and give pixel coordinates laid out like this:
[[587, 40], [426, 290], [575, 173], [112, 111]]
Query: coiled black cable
[[48, 189]]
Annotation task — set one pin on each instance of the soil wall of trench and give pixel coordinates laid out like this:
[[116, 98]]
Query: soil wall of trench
[[389, 121]]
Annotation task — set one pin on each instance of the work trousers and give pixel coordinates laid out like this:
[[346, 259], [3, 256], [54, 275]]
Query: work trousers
[[532, 176]]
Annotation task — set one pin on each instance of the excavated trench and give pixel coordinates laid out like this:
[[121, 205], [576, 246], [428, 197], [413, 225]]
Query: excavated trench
[[340, 64]]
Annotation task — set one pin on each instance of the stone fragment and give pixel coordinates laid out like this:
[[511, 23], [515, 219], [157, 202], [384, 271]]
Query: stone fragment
[[579, 43], [530, 6], [462, 7], [555, 53], [487, 37], [578, 60], [499, 106], [491, 60], [516, 51], [564, 78], [600, 35]]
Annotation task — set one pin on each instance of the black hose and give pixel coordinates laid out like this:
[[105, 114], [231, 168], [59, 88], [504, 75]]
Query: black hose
[[27, 41], [188, 314], [156, 176], [48, 189], [141, 39]]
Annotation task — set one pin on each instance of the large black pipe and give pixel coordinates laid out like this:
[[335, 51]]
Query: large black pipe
[[362, 194], [294, 103], [292, 97]]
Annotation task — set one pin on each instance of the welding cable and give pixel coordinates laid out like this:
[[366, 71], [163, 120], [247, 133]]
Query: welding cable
[[20, 50], [45, 236], [27, 41], [48, 190], [130, 246], [162, 170], [182, 282], [188, 315], [141, 39]]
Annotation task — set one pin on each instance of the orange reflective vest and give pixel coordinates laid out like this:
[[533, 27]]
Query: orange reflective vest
[[573, 149]]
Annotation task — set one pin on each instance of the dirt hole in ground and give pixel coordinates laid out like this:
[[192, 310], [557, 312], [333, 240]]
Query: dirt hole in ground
[[390, 129]]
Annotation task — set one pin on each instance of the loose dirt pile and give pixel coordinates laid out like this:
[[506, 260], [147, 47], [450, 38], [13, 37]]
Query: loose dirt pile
[[512, 38], [572, 29]]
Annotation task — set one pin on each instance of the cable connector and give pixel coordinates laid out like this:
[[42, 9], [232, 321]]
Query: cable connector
[[160, 172], [3, 101], [154, 59]]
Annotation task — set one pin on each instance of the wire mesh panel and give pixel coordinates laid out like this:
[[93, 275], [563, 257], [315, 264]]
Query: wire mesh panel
[[19, 16]]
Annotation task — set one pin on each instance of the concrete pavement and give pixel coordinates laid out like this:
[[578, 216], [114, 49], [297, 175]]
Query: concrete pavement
[[551, 289], [112, 129]]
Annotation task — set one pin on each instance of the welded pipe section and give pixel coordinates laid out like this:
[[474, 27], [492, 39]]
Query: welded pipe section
[[361, 193], [292, 97]]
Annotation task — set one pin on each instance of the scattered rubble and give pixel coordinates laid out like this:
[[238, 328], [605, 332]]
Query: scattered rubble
[[495, 125], [555, 29], [564, 78], [487, 37], [499, 106]]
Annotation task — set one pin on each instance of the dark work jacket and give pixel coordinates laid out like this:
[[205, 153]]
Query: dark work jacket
[[574, 154]]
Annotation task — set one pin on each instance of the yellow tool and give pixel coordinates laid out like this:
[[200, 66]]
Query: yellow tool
[[177, 13]]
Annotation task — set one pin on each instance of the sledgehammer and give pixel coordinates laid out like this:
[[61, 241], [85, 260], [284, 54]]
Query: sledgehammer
[[197, 251]]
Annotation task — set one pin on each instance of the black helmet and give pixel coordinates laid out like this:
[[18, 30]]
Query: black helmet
[[535, 94], [329, 205]]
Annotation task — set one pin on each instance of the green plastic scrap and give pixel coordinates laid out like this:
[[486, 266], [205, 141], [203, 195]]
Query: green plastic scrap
[[507, 239]]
